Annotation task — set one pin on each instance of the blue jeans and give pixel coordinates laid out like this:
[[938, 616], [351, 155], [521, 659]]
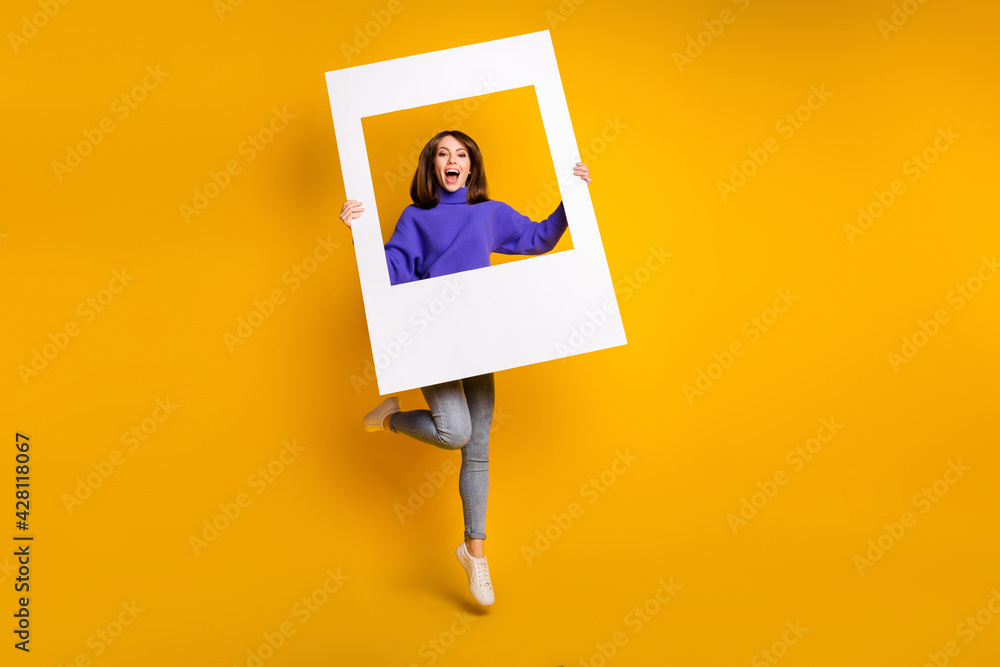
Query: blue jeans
[[460, 417]]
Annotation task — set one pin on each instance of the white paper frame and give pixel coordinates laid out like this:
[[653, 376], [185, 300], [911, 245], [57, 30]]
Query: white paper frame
[[489, 319]]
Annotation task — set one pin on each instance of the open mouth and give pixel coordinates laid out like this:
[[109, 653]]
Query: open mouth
[[451, 175]]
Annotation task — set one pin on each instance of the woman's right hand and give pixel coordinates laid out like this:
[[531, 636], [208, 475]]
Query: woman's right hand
[[352, 209]]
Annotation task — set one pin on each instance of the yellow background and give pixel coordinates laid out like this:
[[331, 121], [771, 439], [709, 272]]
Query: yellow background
[[671, 134]]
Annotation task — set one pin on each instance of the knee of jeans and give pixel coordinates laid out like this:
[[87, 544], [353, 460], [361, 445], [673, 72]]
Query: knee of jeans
[[479, 442], [457, 437]]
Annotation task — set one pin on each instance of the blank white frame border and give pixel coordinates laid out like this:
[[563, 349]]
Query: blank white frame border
[[489, 319]]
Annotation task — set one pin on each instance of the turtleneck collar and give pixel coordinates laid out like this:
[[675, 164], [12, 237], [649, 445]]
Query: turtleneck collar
[[459, 196]]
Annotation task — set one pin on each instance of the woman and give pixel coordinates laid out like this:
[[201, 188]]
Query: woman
[[453, 226]]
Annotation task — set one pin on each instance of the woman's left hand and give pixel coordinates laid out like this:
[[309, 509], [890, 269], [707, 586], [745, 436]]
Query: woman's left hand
[[581, 170]]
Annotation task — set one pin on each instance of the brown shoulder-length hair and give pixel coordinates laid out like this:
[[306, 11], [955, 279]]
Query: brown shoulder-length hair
[[424, 188]]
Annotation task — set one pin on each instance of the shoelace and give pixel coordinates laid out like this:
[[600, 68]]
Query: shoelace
[[483, 573]]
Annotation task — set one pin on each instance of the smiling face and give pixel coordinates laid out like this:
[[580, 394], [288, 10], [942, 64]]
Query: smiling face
[[448, 161], [451, 163]]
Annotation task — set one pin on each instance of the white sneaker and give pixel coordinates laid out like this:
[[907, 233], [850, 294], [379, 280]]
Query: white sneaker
[[478, 573], [373, 420]]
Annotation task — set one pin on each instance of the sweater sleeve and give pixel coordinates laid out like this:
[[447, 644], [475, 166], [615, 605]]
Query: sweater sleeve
[[516, 234], [403, 252]]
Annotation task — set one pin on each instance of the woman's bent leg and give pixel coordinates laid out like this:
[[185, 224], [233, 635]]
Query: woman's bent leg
[[474, 475], [446, 424]]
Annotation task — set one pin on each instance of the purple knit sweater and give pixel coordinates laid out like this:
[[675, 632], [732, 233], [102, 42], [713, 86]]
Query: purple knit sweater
[[457, 236]]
